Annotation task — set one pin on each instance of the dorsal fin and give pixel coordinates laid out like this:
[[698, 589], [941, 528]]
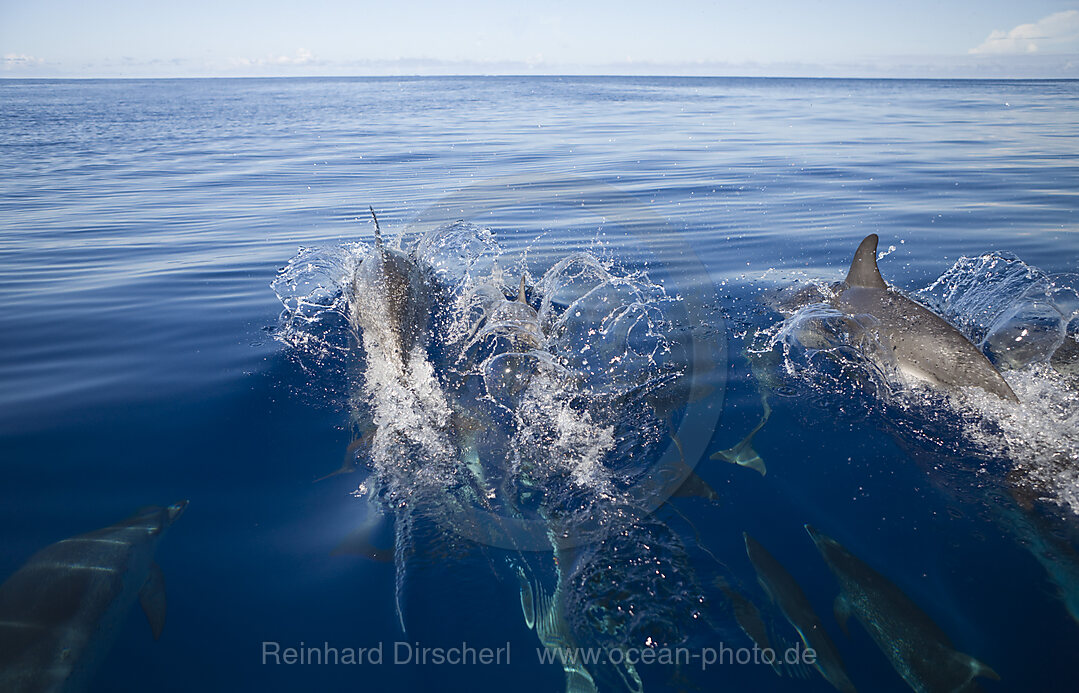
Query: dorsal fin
[[378, 231], [521, 291], [863, 270]]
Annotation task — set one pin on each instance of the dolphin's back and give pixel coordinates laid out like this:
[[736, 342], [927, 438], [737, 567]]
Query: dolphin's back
[[785, 591], [60, 611], [53, 606], [392, 299], [922, 343], [917, 647]]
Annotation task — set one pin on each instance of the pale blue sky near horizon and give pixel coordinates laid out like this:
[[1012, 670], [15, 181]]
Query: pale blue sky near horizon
[[855, 38]]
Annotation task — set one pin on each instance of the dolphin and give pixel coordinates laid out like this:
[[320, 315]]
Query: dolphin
[[743, 453], [391, 298], [1066, 357], [924, 345], [516, 320], [749, 619], [352, 461], [1056, 556], [784, 591], [61, 611], [918, 649], [765, 366]]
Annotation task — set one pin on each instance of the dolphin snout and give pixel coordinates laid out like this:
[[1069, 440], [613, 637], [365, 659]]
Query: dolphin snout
[[176, 510]]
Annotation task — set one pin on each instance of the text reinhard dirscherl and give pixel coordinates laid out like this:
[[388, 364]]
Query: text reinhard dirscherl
[[401, 652]]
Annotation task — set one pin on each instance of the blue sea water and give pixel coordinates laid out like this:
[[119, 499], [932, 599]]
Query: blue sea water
[[146, 357]]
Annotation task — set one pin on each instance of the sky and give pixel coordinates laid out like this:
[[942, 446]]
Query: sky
[[847, 38]]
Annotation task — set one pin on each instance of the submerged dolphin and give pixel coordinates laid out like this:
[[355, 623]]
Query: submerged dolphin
[[781, 588], [743, 453], [765, 366], [749, 619], [60, 612], [924, 345], [391, 298], [918, 649]]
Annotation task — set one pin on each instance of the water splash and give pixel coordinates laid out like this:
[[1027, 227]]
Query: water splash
[[1025, 321], [529, 414]]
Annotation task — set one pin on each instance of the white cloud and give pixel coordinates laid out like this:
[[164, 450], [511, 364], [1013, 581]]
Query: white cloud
[[16, 61], [1059, 30], [302, 57]]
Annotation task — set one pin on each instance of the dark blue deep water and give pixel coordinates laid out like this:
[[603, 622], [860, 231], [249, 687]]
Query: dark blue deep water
[[147, 359]]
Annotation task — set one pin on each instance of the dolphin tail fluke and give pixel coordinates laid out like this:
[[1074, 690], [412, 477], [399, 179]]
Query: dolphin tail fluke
[[841, 610], [743, 453], [692, 486], [152, 600], [863, 269]]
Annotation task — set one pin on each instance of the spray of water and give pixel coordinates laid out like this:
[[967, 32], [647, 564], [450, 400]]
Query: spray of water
[[1025, 321], [526, 414]]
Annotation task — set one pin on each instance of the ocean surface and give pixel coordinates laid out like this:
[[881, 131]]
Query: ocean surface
[[183, 316]]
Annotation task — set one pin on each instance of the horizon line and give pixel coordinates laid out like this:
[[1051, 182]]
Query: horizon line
[[541, 76]]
